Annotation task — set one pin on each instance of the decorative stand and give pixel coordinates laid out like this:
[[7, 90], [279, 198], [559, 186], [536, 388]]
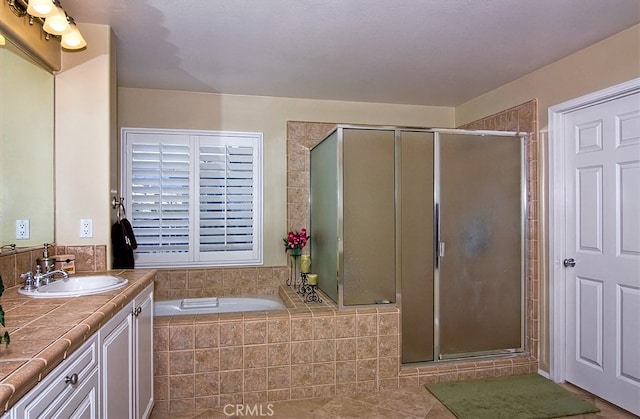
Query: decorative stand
[[303, 289], [308, 290], [311, 296], [299, 281]]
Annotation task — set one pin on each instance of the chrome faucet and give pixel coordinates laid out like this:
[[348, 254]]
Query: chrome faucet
[[46, 277], [29, 285], [33, 281]]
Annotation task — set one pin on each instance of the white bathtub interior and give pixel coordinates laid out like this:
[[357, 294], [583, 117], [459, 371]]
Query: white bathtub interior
[[213, 305]]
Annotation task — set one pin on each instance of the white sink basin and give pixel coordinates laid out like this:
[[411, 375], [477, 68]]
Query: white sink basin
[[77, 286]]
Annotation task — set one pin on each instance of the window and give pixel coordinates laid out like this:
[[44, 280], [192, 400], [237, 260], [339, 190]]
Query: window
[[193, 197]]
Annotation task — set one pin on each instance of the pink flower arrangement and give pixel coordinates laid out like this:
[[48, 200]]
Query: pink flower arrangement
[[295, 241]]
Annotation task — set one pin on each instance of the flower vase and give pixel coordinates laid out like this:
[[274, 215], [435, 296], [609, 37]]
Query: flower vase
[[294, 258]]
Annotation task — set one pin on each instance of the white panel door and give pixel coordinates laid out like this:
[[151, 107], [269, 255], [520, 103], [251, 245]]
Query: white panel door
[[602, 250]]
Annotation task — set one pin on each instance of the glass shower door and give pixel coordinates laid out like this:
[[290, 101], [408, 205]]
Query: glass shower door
[[368, 269], [324, 215], [480, 264], [415, 195]]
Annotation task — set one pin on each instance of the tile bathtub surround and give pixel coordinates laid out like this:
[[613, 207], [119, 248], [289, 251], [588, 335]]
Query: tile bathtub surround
[[219, 282], [307, 351]]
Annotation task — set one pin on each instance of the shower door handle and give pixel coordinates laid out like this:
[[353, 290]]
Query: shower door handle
[[441, 250]]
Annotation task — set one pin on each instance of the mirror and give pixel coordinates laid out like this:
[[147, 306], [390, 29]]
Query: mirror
[[26, 148]]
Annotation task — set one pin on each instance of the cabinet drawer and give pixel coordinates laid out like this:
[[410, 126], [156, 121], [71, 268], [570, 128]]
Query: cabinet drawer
[[82, 403], [58, 385]]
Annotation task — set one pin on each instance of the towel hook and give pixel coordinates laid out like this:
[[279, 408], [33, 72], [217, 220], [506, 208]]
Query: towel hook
[[119, 207]]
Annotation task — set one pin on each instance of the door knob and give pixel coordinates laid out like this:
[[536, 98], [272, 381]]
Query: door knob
[[569, 263]]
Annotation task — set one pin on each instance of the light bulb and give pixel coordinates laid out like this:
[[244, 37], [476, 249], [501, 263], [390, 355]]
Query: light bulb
[[41, 8], [73, 39], [57, 24]]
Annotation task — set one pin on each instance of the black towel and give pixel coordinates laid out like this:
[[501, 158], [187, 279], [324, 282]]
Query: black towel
[[123, 242]]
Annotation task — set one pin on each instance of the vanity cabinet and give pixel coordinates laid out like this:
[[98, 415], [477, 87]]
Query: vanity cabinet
[[126, 344], [109, 376], [70, 390]]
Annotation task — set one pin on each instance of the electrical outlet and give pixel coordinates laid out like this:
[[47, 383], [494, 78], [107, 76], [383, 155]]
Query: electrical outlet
[[86, 227], [22, 229]]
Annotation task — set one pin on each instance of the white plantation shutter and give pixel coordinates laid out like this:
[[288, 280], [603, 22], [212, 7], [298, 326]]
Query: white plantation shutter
[[228, 198], [160, 200], [194, 197]]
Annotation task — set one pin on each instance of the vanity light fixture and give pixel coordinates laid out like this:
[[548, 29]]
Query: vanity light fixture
[[41, 8], [73, 39], [55, 20]]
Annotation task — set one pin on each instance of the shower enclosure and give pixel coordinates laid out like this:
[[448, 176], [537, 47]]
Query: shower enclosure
[[432, 220]]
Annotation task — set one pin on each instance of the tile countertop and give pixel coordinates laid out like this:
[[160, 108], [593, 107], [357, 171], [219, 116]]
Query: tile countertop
[[45, 330]]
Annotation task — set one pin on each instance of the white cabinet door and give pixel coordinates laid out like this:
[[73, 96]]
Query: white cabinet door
[[143, 338], [116, 365], [127, 360]]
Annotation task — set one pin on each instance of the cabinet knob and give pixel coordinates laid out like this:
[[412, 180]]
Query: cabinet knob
[[73, 380]]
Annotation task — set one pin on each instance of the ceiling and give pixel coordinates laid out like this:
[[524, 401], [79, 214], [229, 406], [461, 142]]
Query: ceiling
[[423, 52]]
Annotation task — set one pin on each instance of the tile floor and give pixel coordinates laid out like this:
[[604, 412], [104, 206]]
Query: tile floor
[[403, 403]]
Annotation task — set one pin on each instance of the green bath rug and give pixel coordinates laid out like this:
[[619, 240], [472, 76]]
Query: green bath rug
[[519, 396]]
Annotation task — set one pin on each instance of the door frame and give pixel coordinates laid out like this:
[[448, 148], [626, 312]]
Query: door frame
[[557, 216]]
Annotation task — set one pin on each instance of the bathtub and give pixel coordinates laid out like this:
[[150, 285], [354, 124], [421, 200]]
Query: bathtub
[[217, 305]]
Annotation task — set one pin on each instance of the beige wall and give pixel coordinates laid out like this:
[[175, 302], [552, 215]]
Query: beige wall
[[170, 109], [606, 63], [85, 93]]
